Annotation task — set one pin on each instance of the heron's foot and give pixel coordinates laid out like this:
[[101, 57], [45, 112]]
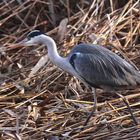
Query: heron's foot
[[94, 112]]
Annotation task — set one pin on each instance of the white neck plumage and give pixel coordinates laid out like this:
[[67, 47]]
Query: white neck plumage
[[53, 53]]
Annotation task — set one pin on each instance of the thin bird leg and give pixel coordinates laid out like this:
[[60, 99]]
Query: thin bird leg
[[94, 107], [129, 108]]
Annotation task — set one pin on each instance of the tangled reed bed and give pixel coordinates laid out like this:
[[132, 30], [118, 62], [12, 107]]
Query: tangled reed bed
[[48, 103]]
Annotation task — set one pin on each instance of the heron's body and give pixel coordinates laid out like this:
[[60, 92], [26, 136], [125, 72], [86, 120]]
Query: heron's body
[[101, 68], [95, 65]]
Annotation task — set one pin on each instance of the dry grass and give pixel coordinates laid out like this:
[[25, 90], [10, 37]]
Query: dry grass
[[51, 104]]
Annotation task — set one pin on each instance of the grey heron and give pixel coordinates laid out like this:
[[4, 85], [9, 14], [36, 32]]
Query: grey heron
[[94, 65]]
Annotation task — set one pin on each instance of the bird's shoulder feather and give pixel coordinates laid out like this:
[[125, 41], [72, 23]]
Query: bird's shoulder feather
[[99, 67]]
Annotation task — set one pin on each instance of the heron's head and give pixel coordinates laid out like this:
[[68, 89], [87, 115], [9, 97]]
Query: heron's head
[[33, 38]]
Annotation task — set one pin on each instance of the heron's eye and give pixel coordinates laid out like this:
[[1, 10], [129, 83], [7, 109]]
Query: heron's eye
[[28, 37]]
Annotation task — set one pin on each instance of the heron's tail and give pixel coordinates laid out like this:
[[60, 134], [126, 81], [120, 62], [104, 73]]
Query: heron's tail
[[137, 77]]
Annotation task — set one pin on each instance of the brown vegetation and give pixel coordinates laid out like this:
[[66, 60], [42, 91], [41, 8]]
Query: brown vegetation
[[52, 104]]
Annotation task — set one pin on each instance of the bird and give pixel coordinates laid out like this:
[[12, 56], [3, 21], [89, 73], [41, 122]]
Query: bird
[[94, 65]]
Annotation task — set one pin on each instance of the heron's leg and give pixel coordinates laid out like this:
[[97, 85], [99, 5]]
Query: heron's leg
[[94, 110], [129, 108], [95, 100]]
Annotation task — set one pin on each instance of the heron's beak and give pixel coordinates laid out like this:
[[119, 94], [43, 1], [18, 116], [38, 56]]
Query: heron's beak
[[23, 42], [27, 42]]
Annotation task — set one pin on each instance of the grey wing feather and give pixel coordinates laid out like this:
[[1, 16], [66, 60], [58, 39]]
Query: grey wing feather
[[104, 68]]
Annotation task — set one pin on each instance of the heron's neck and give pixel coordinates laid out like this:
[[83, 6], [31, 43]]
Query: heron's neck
[[53, 54]]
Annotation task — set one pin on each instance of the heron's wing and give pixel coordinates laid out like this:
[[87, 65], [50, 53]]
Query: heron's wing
[[100, 70]]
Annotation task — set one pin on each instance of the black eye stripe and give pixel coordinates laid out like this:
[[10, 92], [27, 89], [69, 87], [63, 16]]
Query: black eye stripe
[[33, 34]]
